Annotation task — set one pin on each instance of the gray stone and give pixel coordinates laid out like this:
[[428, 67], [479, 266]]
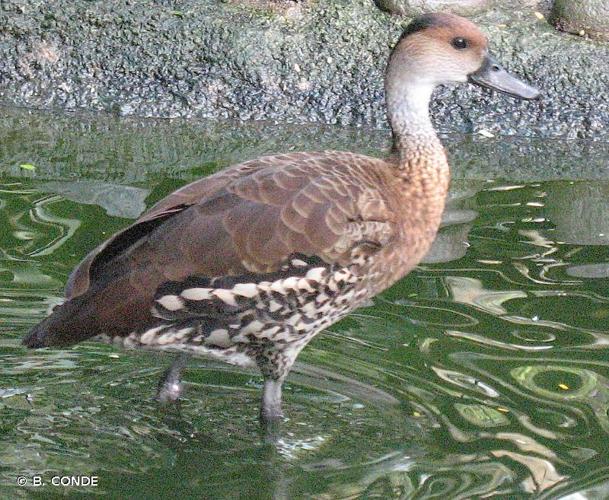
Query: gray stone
[[584, 17], [418, 7], [315, 62]]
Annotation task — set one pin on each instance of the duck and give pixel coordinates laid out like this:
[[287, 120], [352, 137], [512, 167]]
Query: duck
[[249, 264]]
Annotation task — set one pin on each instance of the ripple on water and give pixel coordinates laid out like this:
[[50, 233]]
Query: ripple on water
[[482, 373], [96, 410]]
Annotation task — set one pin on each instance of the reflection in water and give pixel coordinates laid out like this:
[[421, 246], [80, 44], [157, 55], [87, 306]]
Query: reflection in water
[[451, 242], [483, 373], [565, 383], [471, 291], [117, 200], [589, 271], [580, 212], [543, 474], [481, 415], [43, 215]]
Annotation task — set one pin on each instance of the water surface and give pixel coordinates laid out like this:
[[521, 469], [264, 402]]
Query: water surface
[[484, 372]]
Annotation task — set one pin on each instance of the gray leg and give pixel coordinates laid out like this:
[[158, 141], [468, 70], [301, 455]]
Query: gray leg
[[275, 366], [170, 385], [271, 400]]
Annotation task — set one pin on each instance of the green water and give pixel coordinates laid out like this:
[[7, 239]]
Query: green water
[[484, 372]]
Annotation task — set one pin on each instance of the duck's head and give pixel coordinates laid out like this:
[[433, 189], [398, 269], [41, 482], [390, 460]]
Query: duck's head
[[444, 48]]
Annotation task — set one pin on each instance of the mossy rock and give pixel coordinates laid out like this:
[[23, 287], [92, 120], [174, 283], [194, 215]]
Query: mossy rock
[[584, 17], [418, 7], [319, 61]]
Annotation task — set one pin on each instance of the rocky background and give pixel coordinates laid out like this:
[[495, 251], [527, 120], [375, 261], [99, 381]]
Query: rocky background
[[297, 61]]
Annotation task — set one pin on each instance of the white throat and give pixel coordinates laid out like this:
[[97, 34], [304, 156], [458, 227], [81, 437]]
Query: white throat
[[408, 107], [408, 113]]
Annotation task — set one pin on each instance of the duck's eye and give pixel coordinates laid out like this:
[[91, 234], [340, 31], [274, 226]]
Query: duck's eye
[[459, 43]]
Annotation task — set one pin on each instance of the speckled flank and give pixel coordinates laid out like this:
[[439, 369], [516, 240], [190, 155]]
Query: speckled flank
[[239, 320]]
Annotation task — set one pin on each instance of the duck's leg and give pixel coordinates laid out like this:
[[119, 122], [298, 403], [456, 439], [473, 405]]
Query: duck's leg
[[270, 410], [275, 366], [271, 416], [170, 386]]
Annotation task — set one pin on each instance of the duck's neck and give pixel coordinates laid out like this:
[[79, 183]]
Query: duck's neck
[[417, 150], [408, 110]]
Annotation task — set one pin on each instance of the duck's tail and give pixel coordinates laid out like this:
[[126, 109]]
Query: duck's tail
[[68, 323]]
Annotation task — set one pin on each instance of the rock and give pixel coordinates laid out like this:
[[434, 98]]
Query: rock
[[583, 17], [280, 6], [418, 7], [322, 61]]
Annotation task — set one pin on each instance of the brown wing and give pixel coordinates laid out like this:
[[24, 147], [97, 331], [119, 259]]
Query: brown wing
[[248, 219], [79, 280]]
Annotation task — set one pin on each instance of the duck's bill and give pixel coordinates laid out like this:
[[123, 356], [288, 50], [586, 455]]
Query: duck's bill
[[492, 75]]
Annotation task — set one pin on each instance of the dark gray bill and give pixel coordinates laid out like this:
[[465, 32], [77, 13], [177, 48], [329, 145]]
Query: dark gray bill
[[493, 76]]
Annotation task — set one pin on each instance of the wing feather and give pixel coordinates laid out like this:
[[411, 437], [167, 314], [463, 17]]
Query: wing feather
[[247, 219]]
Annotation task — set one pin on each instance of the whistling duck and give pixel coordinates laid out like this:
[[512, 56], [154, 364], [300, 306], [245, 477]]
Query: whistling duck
[[249, 264]]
